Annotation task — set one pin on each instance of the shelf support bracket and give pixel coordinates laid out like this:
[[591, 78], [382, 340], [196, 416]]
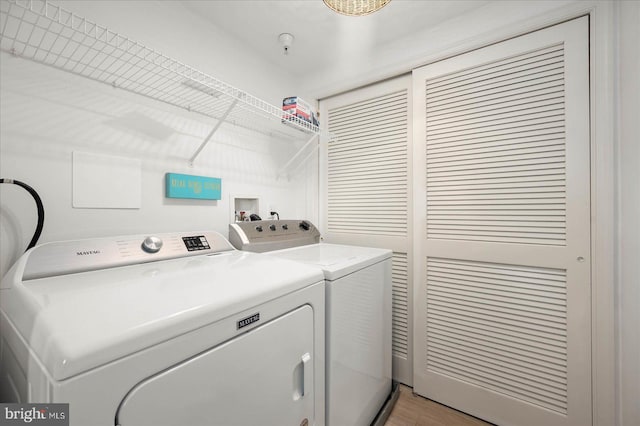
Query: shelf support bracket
[[297, 154], [213, 131], [305, 159]]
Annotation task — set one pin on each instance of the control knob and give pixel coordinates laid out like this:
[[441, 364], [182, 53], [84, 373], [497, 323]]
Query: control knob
[[152, 244], [272, 227], [304, 225], [259, 228]]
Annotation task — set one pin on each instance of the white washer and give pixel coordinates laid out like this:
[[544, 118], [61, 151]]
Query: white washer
[[358, 309], [172, 330]]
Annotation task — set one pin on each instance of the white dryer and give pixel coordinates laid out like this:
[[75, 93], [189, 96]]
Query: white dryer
[[358, 312], [168, 330]]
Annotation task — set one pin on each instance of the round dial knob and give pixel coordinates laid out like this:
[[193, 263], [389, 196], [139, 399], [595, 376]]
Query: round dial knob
[[259, 228], [272, 227], [285, 226], [152, 244]]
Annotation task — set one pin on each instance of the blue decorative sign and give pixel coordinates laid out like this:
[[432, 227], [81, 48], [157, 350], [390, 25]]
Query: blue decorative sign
[[189, 186]]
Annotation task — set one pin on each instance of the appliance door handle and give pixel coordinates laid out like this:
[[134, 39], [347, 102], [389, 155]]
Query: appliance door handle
[[306, 374]]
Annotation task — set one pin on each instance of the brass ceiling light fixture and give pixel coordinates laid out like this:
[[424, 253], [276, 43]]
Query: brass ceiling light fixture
[[356, 7]]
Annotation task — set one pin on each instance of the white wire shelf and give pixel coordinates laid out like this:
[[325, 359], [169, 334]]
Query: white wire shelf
[[43, 32]]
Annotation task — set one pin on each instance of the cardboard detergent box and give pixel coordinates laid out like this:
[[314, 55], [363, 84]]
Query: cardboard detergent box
[[299, 108]]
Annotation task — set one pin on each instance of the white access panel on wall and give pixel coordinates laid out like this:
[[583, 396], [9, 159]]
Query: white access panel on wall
[[106, 181], [502, 252], [257, 366]]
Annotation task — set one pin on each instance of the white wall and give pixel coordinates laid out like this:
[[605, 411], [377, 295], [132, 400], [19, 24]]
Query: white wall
[[628, 209], [46, 114]]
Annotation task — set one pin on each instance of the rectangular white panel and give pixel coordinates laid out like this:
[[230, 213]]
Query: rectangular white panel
[[106, 181]]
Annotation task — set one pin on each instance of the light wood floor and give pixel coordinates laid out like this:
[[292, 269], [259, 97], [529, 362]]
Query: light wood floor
[[414, 410]]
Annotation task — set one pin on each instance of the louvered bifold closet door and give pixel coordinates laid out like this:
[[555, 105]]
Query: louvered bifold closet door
[[502, 263], [367, 185]]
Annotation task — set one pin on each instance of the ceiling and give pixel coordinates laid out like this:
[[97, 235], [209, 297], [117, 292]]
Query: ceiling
[[321, 36]]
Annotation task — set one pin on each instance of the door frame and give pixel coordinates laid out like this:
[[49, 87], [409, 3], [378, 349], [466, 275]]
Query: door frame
[[602, 134]]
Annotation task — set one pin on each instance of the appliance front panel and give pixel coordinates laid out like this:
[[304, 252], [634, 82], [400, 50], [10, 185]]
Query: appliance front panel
[[265, 377], [358, 345]]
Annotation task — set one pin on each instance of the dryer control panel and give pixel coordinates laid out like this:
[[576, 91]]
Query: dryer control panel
[[67, 257], [267, 235]]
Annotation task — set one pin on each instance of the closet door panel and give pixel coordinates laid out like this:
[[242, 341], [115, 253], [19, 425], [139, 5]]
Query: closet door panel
[[367, 181], [502, 268]]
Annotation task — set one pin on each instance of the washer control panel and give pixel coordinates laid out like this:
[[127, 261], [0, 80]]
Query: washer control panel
[[67, 257], [267, 235]]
